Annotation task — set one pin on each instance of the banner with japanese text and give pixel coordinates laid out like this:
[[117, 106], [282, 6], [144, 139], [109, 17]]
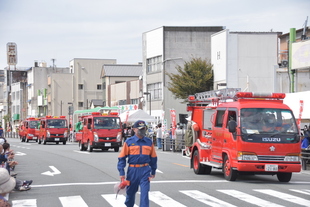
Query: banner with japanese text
[[173, 122]]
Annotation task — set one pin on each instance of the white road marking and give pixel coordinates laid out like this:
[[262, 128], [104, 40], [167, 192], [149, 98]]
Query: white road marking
[[286, 197], [25, 202], [82, 152], [249, 198], [119, 201], [20, 154], [163, 200], [306, 192], [206, 199], [54, 172], [70, 201]]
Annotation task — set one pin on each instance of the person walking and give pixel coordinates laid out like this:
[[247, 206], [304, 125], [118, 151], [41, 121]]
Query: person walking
[[142, 160], [159, 136]]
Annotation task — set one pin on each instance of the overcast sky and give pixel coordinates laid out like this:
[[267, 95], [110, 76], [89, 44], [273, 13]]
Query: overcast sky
[[67, 29]]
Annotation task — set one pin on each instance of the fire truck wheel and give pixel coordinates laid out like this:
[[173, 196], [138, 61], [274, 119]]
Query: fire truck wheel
[[116, 149], [81, 146], [39, 141], [199, 168], [57, 142], [27, 140], [284, 177], [229, 173], [64, 143], [89, 147]]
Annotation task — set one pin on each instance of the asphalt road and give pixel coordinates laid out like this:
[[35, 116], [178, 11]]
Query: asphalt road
[[63, 176]]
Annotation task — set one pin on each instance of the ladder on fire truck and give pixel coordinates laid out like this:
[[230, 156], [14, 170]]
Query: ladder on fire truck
[[210, 96]]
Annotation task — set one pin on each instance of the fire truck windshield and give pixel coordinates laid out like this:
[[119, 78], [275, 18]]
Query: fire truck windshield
[[267, 122], [56, 123], [106, 123], [33, 124]]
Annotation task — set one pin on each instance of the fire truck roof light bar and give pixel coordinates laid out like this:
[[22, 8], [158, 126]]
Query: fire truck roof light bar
[[260, 95]]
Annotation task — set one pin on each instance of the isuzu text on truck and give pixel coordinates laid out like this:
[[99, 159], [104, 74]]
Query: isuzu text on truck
[[100, 131], [243, 132], [53, 129], [29, 129]]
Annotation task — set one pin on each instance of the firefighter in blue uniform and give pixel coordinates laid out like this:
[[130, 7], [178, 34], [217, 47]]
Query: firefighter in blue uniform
[[142, 160]]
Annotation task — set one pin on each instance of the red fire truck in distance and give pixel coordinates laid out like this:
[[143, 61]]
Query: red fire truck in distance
[[53, 129], [29, 129], [243, 133], [100, 131]]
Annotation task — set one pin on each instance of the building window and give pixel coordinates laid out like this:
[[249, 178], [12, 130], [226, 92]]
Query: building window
[[122, 102], [156, 91], [99, 86], [13, 96], [81, 86], [81, 104], [154, 64], [134, 101]]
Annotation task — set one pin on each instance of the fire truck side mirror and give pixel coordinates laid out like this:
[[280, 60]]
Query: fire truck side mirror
[[232, 126]]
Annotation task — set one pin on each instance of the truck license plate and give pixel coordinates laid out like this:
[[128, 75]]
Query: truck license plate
[[271, 167], [34, 137], [107, 144], [56, 139]]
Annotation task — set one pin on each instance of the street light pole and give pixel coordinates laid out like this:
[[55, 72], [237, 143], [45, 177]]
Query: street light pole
[[147, 93]]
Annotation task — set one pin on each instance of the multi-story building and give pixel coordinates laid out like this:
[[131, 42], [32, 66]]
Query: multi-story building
[[246, 60], [122, 84], [163, 49]]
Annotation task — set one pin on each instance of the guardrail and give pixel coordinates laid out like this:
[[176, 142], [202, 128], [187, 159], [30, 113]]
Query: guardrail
[[10, 135], [305, 157]]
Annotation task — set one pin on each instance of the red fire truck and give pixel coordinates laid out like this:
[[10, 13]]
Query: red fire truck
[[100, 131], [243, 133], [53, 129], [29, 129]]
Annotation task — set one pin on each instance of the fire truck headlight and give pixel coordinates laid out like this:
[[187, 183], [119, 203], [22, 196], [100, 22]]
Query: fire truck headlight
[[96, 138], [292, 158], [48, 134], [66, 133], [247, 156], [119, 137], [30, 135]]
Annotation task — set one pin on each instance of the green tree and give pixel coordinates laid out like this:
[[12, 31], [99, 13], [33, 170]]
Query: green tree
[[195, 76]]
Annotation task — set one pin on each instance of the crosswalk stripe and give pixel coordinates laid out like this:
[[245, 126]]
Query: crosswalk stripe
[[206, 199], [163, 200], [249, 198], [306, 192], [70, 201], [115, 202], [285, 196], [26, 202]]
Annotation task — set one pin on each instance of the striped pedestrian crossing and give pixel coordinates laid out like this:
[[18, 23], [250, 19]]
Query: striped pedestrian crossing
[[255, 197]]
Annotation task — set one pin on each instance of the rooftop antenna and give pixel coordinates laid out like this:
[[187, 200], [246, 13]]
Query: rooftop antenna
[[303, 36], [53, 60]]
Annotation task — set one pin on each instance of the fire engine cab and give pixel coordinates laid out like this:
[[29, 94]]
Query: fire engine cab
[[242, 133], [29, 129], [53, 129], [100, 131]]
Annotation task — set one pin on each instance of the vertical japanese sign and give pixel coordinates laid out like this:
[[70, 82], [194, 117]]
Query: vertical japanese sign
[[11, 53], [301, 108], [173, 122]]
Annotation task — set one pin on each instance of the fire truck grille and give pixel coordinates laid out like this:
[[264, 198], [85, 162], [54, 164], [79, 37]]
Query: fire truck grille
[[57, 135], [270, 158], [107, 138]]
